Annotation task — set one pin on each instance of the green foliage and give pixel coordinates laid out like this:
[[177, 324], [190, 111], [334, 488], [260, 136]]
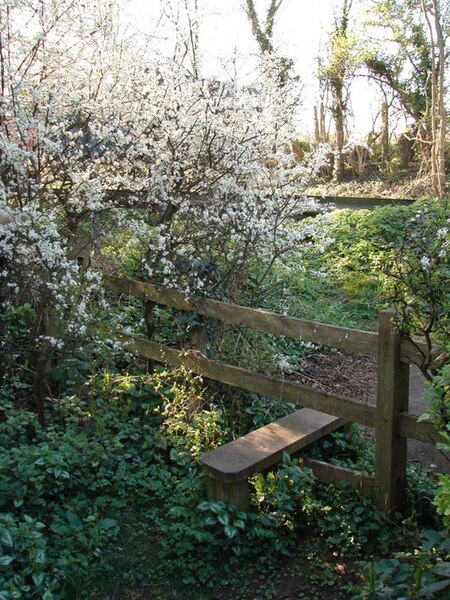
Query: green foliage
[[350, 524], [189, 422], [202, 536], [285, 494], [419, 273], [263, 410], [440, 412], [363, 243], [16, 333], [347, 448], [423, 573], [63, 487], [24, 553], [442, 498], [117, 466]]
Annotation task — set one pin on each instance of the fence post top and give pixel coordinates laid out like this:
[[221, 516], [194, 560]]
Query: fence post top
[[388, 311]]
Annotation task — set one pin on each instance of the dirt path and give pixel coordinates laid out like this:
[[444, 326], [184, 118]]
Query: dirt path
[[425, 454], [356, 376]]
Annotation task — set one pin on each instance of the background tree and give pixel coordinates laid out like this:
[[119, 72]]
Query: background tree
[[196, 177], [414, 69], [336, 71], [437, 18], [263, 34], [185, 18]]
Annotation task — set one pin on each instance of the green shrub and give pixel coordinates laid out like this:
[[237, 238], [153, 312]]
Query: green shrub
[[62, 487]]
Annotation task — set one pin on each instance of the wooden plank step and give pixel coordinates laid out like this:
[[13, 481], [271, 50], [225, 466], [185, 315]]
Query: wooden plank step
[[262, 448], [228, 467]]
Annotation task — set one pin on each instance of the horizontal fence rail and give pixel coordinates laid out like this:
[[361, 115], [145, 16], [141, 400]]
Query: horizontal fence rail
[[351, 409], [353, 340], [338, 406], [353, 203], [336, 475], [344, 338]]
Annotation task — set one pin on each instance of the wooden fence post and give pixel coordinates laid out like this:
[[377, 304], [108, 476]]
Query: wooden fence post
[[392, 399]]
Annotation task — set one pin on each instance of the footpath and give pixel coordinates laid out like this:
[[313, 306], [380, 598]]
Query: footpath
[[419, 401]]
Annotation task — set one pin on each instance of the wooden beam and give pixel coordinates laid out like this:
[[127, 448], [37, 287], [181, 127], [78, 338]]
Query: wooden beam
[[392, 399], [349, 409], [424, 431], [354, 409], [353, 340], [262, 448], [232, 493], [340, 476]]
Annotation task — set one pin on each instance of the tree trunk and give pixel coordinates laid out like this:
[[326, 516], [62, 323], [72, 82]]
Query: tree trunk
[[437, 108], [384, 135], [40, 385], [317, 139], [340, 135], [441, 112], [322, 128]]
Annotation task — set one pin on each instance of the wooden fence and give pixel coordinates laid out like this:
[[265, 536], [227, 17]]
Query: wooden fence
[[389, 416]]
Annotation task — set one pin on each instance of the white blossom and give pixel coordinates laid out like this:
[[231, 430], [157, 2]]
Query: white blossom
[[425, 263]]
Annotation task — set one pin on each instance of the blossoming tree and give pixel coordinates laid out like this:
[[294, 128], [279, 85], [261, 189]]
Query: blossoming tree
[[199, 171]]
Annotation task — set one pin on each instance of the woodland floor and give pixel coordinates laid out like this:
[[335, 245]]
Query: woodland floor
[[309, 575]]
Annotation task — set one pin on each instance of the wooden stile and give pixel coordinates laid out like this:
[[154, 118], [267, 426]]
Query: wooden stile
[[390, 416], [229, 466]]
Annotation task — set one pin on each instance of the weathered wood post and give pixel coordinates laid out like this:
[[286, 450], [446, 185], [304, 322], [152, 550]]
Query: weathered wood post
[[199, 336], [392, 399], [232, 493]]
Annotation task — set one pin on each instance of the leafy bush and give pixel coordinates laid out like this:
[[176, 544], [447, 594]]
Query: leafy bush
[[61, 490], [423, 573], [189, 422], [286, 495]]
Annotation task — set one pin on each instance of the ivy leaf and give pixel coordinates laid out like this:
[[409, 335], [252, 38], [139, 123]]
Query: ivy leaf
[[223, 519], [57, 528], [431, 589], [74, 520], [432, 539], [442, 569], [6, 538], [41, 557], [38, 578], [108, 524], [230, 531]]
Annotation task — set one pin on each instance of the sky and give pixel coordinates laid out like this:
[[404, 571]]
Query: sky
[[300, 31]]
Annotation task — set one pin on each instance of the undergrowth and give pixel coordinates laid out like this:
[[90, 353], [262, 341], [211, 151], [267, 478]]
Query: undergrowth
[[110, 497], [108, 500]]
